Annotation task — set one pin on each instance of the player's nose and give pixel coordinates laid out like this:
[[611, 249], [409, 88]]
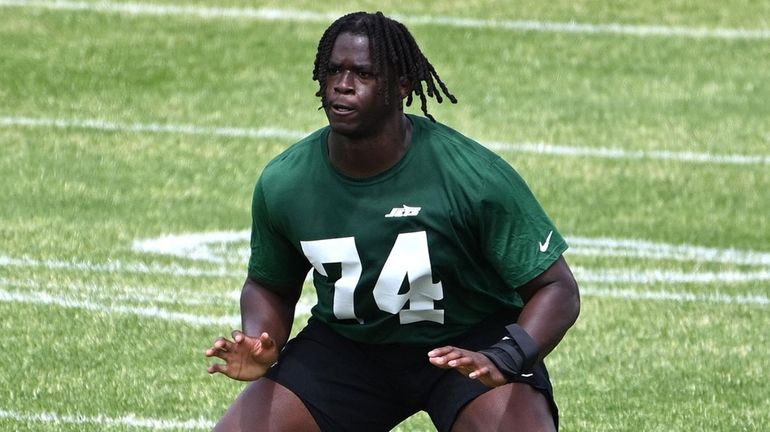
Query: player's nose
[[344, 82]]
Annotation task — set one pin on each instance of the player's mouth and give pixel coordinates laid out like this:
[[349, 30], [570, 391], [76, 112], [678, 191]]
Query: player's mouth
[[341, 109]]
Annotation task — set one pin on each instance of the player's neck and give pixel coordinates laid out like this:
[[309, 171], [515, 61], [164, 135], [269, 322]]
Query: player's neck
[[370, 155]]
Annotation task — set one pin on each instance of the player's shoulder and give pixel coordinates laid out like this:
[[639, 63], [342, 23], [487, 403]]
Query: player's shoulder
[[451, 142], [295, 159], [471, 161]]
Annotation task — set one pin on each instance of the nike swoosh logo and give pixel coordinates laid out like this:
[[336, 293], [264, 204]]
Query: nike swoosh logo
[[544, 246]]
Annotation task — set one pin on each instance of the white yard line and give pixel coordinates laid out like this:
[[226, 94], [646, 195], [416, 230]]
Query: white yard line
[[619, 153], [624, 276], [42, 292], [130, 420], [109, 300], [303, 308], [43, 298], [198, 245], [104, 125], [289, 135], [120, 293], [117, 267], [670, 296], [291, 15], [631, 248]]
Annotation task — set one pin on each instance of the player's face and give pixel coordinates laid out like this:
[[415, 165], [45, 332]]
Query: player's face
[[354, 107]]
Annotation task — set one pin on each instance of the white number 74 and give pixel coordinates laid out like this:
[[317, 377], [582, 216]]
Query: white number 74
[[408, 260]]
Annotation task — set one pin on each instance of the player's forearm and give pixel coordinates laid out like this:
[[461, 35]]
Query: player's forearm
[[549, 314], [263, 310], [552, 308]]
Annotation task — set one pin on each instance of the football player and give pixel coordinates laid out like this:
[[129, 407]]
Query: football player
[[440, 279]]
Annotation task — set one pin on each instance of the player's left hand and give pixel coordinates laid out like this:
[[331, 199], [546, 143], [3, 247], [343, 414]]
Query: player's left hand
[[472, 364]]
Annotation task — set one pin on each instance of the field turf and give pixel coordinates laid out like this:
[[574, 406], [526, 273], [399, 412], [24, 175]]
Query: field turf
[[131, 135]]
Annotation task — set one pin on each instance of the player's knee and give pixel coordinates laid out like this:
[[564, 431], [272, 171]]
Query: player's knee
[[512, 407], [267, 406]]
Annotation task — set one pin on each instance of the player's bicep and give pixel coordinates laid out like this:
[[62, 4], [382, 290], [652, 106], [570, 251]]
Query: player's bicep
[[558, 274], [274, 260]]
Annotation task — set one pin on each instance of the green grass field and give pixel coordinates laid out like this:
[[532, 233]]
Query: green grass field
[[131, 138]]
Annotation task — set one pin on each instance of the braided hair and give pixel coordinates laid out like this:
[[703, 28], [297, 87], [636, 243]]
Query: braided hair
[[394, 52]]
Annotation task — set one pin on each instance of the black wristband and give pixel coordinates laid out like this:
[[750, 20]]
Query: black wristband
[[515, 354], [526, 344]]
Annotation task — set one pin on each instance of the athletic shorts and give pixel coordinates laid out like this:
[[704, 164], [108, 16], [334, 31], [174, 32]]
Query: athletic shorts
[[352, 386]]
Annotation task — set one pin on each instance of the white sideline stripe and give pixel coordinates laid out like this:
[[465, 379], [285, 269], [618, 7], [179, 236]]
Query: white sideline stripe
[[650, 277], [116, 267], [616, 153], [127, 293], [43, 298], [584, 275], [629, 248], [233, 321], [127, 420], [756, 300], [195, 244], [272, 14], [275, 133], [69, 301], [588, 275], [303, 308], [103, 125]]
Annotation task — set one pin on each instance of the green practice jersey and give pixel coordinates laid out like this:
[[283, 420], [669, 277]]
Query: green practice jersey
[[417, 254]]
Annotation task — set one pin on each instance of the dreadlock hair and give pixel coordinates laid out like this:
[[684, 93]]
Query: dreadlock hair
[[395, 55]]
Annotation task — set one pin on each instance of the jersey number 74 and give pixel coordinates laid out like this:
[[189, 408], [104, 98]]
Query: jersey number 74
[[408, 260]]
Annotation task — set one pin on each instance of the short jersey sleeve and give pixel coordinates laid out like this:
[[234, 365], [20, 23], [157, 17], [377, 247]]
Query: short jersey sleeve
[[517, 235], [274, 260]]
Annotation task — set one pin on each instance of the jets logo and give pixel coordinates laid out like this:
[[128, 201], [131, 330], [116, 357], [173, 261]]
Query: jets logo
[[404, 211]]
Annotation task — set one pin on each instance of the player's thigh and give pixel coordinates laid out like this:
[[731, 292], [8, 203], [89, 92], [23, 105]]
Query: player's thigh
[[269, 407], [514, 407]]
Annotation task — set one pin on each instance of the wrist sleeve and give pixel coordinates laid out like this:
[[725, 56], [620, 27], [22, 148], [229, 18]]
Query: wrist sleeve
[[515, 354]]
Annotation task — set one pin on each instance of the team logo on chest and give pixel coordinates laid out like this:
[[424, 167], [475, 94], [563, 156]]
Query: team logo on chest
[[404, 211]]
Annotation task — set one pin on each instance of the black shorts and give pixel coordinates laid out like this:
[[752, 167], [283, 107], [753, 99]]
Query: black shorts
[[351, 386]]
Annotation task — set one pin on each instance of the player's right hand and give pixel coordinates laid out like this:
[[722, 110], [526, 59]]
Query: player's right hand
[[246, 358]]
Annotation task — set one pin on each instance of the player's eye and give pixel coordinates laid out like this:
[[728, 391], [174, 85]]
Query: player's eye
[[365, 72], [332, 70]]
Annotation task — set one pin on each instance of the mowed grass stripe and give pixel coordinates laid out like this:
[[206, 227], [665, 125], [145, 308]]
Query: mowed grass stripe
[[274, 14], [278, 133]]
